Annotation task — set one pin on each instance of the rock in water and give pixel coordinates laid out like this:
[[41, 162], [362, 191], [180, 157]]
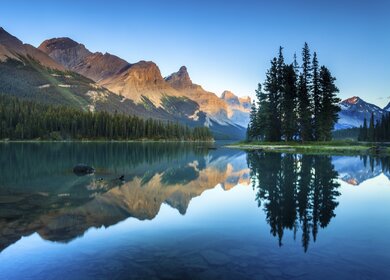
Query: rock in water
[[83, 169]]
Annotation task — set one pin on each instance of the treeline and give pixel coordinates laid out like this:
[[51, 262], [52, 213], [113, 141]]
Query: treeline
[[296, 102], [25, 120], [348, 133], [378, 131]]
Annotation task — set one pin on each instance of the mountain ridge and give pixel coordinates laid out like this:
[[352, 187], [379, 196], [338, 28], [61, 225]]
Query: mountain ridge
[[65, 72], [354, 110], [143, 79]]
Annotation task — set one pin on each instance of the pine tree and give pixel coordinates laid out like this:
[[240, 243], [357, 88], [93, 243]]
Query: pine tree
[[363, 132], [371, 129], [272, 90], [252, 130], [288, 103], [304, 97], [263, 121], [316, 98], [29, 120], [328, 114], [297, 102]]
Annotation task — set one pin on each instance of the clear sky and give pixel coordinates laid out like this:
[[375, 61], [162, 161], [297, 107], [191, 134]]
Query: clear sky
[[224, 44]]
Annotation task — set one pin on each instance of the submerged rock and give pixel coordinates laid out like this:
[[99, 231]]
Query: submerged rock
[[83, 169]]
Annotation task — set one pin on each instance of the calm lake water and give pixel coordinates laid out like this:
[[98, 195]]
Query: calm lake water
[[184, 211]]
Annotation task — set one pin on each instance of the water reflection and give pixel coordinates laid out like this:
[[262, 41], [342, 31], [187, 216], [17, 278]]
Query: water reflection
[[356, 170], [40, 193], [297, 192]]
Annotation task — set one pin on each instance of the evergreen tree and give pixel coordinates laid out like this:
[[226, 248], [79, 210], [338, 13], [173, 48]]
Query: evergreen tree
[[296, 102], [263, 121], [252, 130], [24, 120], [371, 129], [328, 113], [316, 98], [304, 97], [363, 136], [272, 91], [288, 103]]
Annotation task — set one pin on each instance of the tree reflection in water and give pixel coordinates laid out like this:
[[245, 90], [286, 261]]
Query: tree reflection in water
[[296, 191]]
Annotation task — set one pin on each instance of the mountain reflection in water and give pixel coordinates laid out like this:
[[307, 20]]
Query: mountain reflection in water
[[39, 192]]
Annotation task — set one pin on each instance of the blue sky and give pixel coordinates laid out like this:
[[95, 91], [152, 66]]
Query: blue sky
[[224, 44]]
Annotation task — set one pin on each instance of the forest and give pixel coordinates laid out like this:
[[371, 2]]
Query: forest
[[375, 131], [295, 102], [27, 120]]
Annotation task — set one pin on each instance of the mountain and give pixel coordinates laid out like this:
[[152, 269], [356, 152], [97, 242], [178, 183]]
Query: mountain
[[143, 83], [238, 108], [136, 82], [209, 102], [12, 47], [132, 81], [29, 73], [387, 107], [62, 71], [353, 112], [78, 58]]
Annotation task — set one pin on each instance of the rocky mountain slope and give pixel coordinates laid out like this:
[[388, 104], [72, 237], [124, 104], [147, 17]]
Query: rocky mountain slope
[[238, 107], [144, 80], [12, 47], [62, 71], [354, 110]]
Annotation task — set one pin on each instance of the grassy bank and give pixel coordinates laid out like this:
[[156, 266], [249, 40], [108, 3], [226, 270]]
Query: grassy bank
[[332, 147]]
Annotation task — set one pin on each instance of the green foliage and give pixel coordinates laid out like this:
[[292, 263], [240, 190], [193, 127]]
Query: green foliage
[[349, 133], [375, 132], [25, 120], [296, 104], [328, 112], [288, 110], [30, 80]]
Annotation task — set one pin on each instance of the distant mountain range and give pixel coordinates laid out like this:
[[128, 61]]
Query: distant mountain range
[[62, 71], [354, 110]]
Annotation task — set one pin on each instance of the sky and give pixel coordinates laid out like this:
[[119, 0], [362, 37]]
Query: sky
[[226, 45]]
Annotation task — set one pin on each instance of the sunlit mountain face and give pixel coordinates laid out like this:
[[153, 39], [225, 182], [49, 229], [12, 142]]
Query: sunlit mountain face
[[354, 110], [64, 72]]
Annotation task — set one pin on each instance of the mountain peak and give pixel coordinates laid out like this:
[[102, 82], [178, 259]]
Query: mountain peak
[[65, 51], [352, 100], [9, 41], [61, 43], [226, 95], [183, 69], [387, 107], [180, 79]]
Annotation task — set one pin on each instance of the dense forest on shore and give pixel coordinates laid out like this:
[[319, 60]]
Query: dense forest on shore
[[378, 131], [26, 120], [296, 102]]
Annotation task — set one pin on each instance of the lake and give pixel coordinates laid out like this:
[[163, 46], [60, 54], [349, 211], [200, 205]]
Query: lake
[[188, 211]]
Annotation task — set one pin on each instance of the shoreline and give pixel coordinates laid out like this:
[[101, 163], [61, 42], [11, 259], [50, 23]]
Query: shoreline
[[106, 141], [316, 148]]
